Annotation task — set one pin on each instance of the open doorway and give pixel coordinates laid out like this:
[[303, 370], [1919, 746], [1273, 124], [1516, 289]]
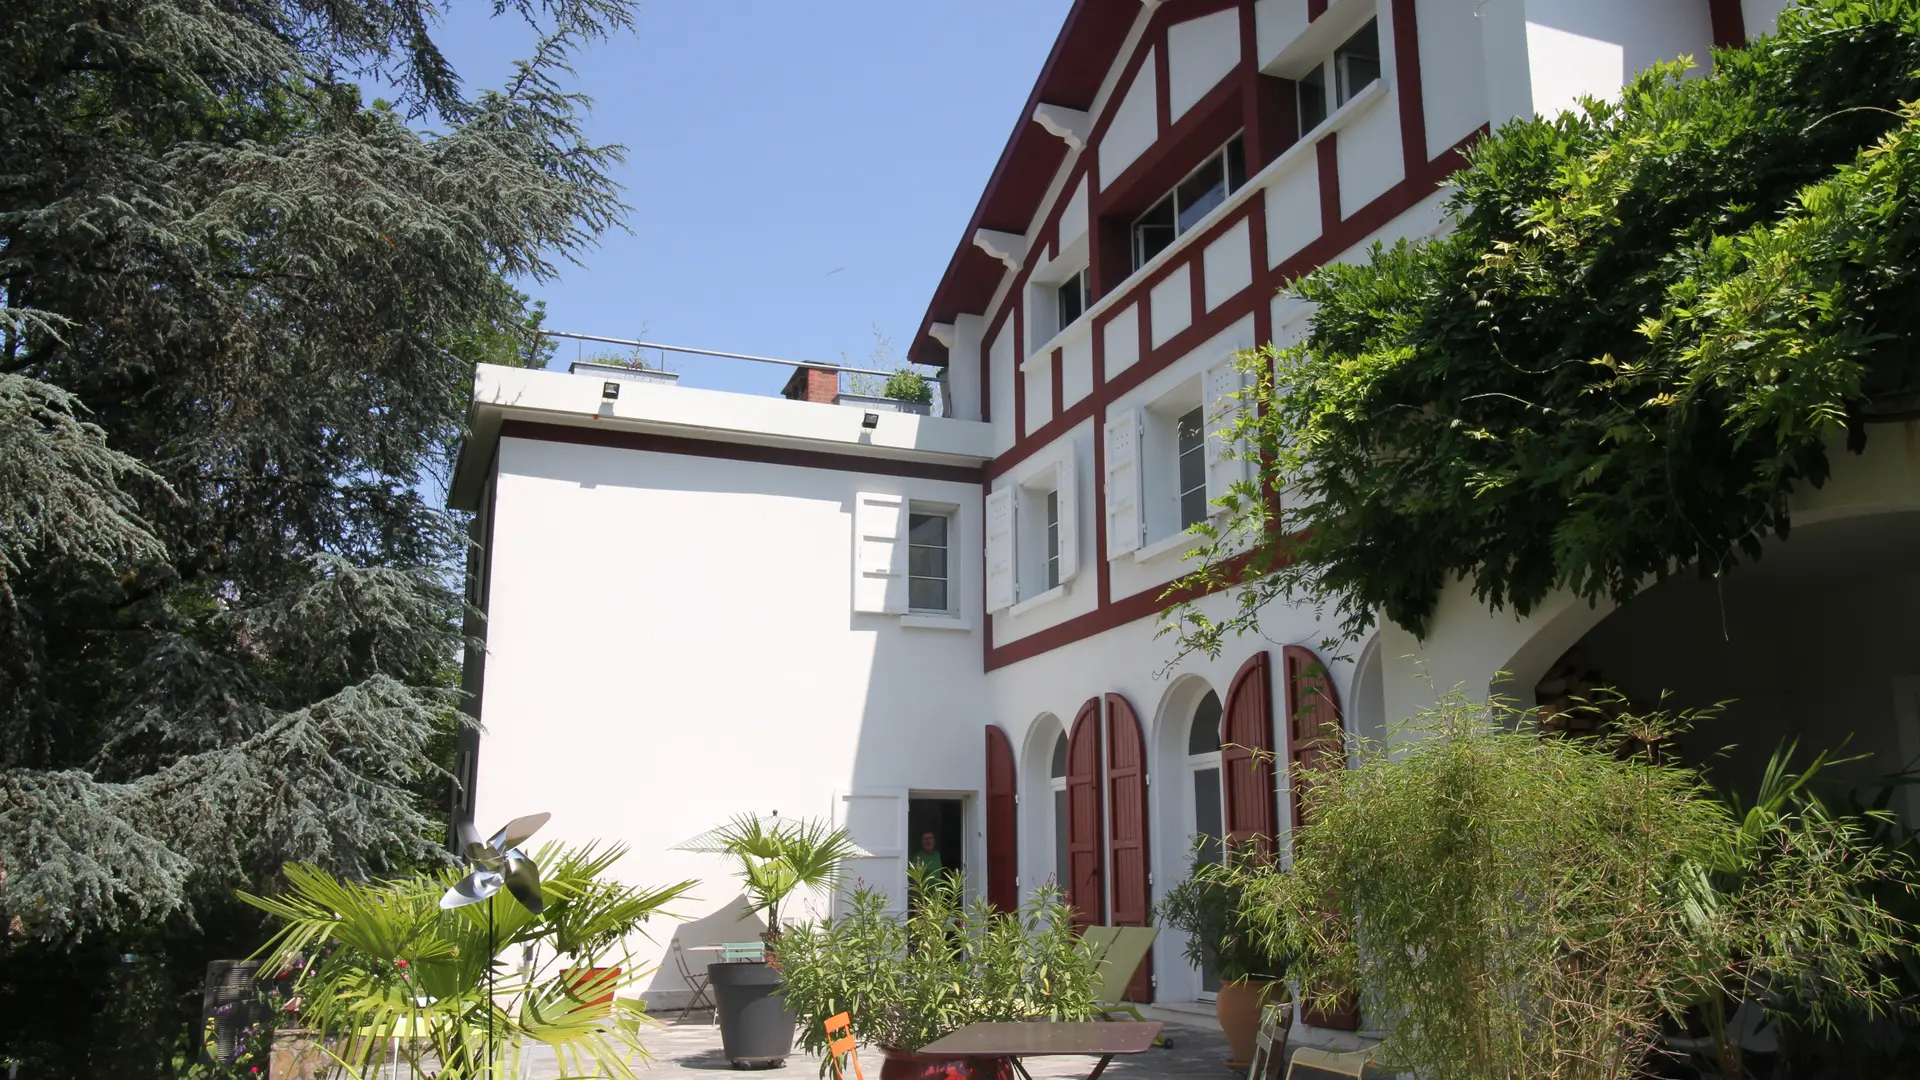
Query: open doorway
[[936, 833]]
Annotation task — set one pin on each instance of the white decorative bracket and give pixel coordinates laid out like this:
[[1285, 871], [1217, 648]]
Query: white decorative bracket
[[1009, 248], [1070, 124], [941, 332]]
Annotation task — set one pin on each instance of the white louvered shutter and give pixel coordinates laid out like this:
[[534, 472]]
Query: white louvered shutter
[[880, 553], [1067, 482], [1224, 467], [1124, 522], [1001, 585]]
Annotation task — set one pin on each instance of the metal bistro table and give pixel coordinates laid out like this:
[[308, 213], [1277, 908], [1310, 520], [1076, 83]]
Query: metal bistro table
[[1046, 1039]]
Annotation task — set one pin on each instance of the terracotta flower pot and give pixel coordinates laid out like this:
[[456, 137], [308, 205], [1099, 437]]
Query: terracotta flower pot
[[585, 981], [1238, 1005], [906, 1065]]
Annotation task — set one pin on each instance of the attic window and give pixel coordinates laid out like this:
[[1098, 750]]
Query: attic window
[[1222, 174], [1353, 67]]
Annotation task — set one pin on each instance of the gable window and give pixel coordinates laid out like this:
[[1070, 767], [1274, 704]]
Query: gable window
[[1191, 443], [1353, 67], [1206, 187], [1071, 298], [927, 538]]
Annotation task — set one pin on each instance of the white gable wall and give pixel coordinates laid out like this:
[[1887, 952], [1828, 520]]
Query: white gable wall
[[1200, 52], [1135, 124]]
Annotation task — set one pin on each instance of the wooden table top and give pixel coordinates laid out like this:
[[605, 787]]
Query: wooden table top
[[1044, 1038]]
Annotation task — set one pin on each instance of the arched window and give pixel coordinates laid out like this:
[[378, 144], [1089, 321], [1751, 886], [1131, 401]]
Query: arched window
[[1057, 780], [1203, 764], [1209, 812]]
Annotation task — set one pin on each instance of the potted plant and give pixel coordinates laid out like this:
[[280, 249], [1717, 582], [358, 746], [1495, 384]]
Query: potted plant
[[906, 981], [382, 974], [775, 860], [1206, 908]]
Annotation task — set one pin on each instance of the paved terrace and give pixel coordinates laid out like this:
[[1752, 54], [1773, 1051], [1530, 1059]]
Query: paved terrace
[[688, 1048]]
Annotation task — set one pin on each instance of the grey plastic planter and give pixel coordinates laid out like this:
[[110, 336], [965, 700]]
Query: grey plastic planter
[[756, 1030]]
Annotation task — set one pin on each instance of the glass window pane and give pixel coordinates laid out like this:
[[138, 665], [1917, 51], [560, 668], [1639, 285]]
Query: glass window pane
[[1193, 507], [1203, 737], [1192, 430], [1059, 757], [927, 562], [1358, 61], [1193, 472], [1060, 836], [1153, 232], [1201, 192], [1072, 298], [927, 594], [1209, 824], [1236, 164], [1312, 89], [930, 529]]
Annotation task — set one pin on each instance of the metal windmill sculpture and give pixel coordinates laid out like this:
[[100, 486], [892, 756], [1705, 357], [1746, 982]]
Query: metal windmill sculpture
[[498, 863]]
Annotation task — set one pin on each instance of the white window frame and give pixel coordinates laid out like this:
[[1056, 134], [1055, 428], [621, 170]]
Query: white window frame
[[1335, 79], [1160, 466], [1058, 478], [1134, 247], [923, 508]]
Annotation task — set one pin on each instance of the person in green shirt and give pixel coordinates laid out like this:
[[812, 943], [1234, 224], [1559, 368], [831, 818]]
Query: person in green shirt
[[927, 856]]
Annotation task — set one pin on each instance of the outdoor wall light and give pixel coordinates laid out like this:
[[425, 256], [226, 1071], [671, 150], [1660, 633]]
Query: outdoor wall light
[[610, 391], [870, 420]]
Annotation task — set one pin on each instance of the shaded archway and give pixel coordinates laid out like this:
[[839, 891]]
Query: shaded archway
[[1815, 642]]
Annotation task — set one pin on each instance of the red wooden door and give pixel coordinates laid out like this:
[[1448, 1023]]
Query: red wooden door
[[1086, 872], [1316, 743], [1247, 754], [1003, 862], [1127, 830], [1316, 737]]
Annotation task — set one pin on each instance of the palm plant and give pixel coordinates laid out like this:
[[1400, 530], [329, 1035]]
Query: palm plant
[[778, 859], [391, 971]]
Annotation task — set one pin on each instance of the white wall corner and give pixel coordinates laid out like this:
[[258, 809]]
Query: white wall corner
[[1009, 248], [1072, 125], [941, 332]]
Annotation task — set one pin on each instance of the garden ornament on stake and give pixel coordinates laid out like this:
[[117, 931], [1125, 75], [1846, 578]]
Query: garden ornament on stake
[[498, 863]]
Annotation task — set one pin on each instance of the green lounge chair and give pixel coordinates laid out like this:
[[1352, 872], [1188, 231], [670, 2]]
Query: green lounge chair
[[1124, 948]]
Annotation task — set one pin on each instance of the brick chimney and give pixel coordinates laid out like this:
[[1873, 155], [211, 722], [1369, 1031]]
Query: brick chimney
[[812, 384]]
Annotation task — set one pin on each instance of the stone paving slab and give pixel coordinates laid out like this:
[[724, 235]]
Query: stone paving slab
[[688, 1048]]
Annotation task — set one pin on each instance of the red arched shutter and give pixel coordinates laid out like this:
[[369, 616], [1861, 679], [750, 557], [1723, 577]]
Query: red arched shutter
[[1316, 737], [1127, 829], [1246, 753], [1003, 889], [1316, 743], [1086, 878]]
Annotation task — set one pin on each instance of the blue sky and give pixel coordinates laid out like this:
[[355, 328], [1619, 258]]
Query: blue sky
[[799, 172]]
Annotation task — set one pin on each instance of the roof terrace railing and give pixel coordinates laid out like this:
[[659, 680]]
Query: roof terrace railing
[[688, 350]]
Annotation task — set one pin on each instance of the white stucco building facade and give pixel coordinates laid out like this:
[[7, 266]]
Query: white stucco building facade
[[701, 604]]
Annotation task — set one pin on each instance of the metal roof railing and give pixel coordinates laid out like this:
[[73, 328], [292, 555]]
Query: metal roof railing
[[690, 351]]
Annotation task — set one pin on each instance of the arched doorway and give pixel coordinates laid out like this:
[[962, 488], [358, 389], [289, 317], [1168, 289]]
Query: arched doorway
[[1042, 825], [1189, 813]]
